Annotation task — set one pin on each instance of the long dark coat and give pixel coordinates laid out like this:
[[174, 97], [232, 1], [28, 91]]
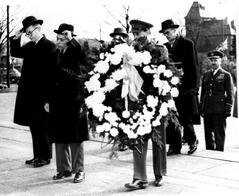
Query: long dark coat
[[69, 124], [187, 102], [36, 80]]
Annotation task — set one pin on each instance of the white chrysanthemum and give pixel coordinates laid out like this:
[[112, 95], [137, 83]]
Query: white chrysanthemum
[[111, 118], [163, 109], [157, 83], [132, 135], [148, 69], [101, 67], [93, 84], [175, 80], [136, 59], [141, 130], [114, 132], [168, 73], [110, 84], [146, 57], [119, 74], [161, 68], [100, 129], [102, 55], [125, 128], [99, 110], [107, 126], [156, 122], [171, 104], [115, 59], [152, 101], [174, 92], [166, 88], [125, 114], [98, 96]]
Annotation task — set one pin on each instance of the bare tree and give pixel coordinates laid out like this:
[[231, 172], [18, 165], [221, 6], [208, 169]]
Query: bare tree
[[123, 22], [3, 26]]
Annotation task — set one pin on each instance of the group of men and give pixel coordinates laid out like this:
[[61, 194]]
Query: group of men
[[51, 102], [50, 97]]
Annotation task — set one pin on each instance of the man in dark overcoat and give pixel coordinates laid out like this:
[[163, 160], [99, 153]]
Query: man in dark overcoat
[[183, 53], [216, 102], [67, 111], [32, 101]]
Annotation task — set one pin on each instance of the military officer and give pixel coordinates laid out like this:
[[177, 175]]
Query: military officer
[[216, 102], [141, 31]]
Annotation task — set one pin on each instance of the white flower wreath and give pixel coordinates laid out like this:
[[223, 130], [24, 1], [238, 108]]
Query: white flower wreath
[[119, 70]]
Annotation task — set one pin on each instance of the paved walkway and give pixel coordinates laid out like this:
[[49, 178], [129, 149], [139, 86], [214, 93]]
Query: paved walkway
[[203, 172]]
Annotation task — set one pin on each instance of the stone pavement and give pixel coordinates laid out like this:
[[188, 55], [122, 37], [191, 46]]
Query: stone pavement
[[204, 172]]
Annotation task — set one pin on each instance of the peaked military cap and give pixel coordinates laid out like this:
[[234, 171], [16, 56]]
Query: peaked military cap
[[139, 25], [215, 54]]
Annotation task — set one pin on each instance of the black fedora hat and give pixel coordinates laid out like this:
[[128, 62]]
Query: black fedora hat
[[119, 31], [64, 27], [168, 24], [139, 25], [30, 20]]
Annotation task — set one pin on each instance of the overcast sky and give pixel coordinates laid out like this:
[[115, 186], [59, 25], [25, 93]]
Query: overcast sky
[[89, 16]]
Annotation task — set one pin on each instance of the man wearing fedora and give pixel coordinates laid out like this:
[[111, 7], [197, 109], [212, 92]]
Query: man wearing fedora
[[119, 36], [32, 101], [141, 31], [216, 102], [184, 55], [67, 109]]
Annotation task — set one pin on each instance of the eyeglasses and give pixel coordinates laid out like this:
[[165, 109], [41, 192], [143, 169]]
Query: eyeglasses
[[166, 32], [29, 33]]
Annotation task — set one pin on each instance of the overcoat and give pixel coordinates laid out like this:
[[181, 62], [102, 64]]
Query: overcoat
[[67, 112], [36, 81], [184, 53]]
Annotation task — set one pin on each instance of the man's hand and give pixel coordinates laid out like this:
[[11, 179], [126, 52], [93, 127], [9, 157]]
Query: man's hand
[[47, 107], [18, 34]]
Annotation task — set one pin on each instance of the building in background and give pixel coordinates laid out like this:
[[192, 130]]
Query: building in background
[[209, 33]]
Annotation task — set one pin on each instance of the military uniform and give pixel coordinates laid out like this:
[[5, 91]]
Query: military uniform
[[159, 152], [216, 104]]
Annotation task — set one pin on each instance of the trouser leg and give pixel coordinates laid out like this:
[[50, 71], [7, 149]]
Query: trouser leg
[[189, 132], [140, 161], [42, 148], [77, 154], [63, 157], [173, 137], [35, 146], [219, 127], [208, 132]]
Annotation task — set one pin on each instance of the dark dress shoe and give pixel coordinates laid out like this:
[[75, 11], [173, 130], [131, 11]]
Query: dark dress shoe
[[123, 147], [79, 177], [193, 147], [173, 152], [137, 184], [158, 182], [62, 175], [41, 162], [31, 161]]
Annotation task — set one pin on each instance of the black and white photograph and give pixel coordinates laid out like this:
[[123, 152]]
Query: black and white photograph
[[123, 97]]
